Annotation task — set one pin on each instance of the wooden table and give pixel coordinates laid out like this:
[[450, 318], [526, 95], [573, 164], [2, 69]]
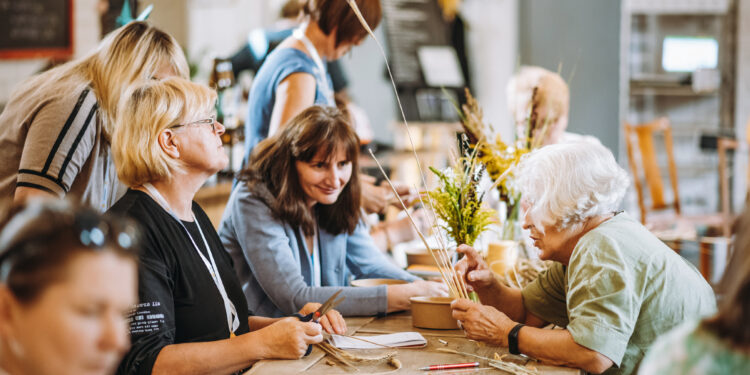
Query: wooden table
[[411, 359]]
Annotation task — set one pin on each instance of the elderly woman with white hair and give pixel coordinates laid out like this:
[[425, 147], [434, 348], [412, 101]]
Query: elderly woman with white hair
[[613, 286]]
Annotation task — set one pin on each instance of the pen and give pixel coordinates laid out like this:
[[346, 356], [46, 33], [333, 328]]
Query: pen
[[450, 366]]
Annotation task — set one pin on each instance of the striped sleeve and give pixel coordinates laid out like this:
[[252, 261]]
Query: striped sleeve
[[59, 143]]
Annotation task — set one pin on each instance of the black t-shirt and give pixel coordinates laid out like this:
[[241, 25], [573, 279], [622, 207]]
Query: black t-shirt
[[179, 301]]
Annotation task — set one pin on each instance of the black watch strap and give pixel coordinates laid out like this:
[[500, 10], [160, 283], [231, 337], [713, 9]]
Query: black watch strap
[[513, 339]]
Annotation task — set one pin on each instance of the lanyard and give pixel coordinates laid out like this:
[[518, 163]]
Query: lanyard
[[320, 77], [233, 321]]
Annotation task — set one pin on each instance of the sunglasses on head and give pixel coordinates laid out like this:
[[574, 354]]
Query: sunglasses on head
[[34, 231]]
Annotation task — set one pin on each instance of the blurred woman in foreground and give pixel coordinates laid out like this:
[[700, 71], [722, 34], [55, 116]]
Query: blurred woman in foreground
[[67, 281]]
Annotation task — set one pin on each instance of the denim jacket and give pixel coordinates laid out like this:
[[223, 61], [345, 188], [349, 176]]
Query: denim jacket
[[276, 272]]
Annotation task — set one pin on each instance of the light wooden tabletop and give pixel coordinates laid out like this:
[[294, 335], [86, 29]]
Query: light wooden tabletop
[[411, 359]]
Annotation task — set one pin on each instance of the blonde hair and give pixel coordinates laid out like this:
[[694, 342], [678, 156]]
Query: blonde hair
[[144, 112], [540, 89], [136, 51]]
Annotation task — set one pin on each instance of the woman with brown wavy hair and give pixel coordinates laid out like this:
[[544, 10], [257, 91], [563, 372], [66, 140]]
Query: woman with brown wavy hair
[[293, 224]]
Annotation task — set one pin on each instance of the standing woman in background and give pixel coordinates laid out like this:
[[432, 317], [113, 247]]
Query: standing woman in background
[[56, 130], [67, 280], [294, 75]]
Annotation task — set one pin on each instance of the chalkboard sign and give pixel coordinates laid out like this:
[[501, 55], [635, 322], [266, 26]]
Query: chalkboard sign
[[36, 28], [410, 24]]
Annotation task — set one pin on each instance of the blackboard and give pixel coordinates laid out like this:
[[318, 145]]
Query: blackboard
[[410, 24], [36, 28]]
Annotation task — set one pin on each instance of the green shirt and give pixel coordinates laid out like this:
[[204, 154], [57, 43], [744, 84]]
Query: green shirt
[[691, 349], [621, 289]]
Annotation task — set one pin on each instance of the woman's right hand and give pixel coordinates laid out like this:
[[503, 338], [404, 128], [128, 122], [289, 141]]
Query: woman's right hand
[[288, 338], [474, 269], [422, 288]]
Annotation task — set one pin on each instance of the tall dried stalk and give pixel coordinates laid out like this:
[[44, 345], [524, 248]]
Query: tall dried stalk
[[447, 272]]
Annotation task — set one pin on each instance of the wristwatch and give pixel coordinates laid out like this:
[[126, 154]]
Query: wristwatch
[[513, 339]]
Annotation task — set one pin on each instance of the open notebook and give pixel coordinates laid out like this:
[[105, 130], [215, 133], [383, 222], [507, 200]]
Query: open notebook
[[401, 339]]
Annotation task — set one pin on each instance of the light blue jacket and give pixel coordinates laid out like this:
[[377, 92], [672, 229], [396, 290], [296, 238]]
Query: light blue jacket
[[275, 270]]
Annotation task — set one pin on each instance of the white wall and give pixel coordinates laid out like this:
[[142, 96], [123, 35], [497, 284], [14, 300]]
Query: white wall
[[584, 37], [493, 52]]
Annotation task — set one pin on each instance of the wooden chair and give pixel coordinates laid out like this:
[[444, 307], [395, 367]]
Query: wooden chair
[[644, 136], [678, 230], [723, 146], [669, 227]]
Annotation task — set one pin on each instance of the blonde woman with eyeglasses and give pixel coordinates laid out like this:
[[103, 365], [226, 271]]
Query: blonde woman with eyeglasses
[[56, 130], [193, 316]]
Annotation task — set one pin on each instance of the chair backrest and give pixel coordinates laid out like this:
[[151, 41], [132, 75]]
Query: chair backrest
[[723, 146], [643, 134]]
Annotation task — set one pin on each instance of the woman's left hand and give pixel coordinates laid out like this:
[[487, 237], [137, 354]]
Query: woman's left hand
[[332, 321], [482, 323]]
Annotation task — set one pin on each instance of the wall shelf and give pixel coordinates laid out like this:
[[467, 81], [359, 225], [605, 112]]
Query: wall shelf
[[669, 91], [650, 92], [678, 7]]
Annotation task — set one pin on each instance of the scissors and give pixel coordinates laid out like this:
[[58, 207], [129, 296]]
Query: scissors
[[314, 316]]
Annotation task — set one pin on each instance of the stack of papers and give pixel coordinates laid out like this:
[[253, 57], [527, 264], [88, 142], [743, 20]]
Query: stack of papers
[[401, 339]]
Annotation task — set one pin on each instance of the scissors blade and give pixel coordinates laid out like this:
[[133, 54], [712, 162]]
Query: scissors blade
[[332, 305], [329, 304]]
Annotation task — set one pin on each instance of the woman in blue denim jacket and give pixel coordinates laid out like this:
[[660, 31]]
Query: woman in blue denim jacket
[[293, 224]]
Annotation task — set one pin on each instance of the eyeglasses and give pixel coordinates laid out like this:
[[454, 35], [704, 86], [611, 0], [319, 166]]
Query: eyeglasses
[[210, 121]]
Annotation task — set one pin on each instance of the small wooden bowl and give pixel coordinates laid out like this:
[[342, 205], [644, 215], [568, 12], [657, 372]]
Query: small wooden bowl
[[422, 256], [432, 313], [376, 282]]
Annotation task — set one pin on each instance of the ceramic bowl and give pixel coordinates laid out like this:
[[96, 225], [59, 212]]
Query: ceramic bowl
[[432, 313], [376, 282]]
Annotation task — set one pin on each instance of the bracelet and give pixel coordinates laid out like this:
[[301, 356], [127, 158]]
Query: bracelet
[[513, 339]]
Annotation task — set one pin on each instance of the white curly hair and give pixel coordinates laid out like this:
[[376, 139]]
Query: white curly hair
[[567, 183]]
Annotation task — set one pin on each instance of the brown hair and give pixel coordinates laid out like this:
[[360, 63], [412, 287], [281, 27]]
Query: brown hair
[[39, 241], [292, 8], [734, 308], [272, 164], [330, 14]]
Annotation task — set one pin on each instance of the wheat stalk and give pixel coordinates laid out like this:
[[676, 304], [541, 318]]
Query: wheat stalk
[[445, 271]]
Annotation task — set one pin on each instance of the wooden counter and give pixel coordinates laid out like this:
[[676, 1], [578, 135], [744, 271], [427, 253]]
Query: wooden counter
[[411, 359]]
